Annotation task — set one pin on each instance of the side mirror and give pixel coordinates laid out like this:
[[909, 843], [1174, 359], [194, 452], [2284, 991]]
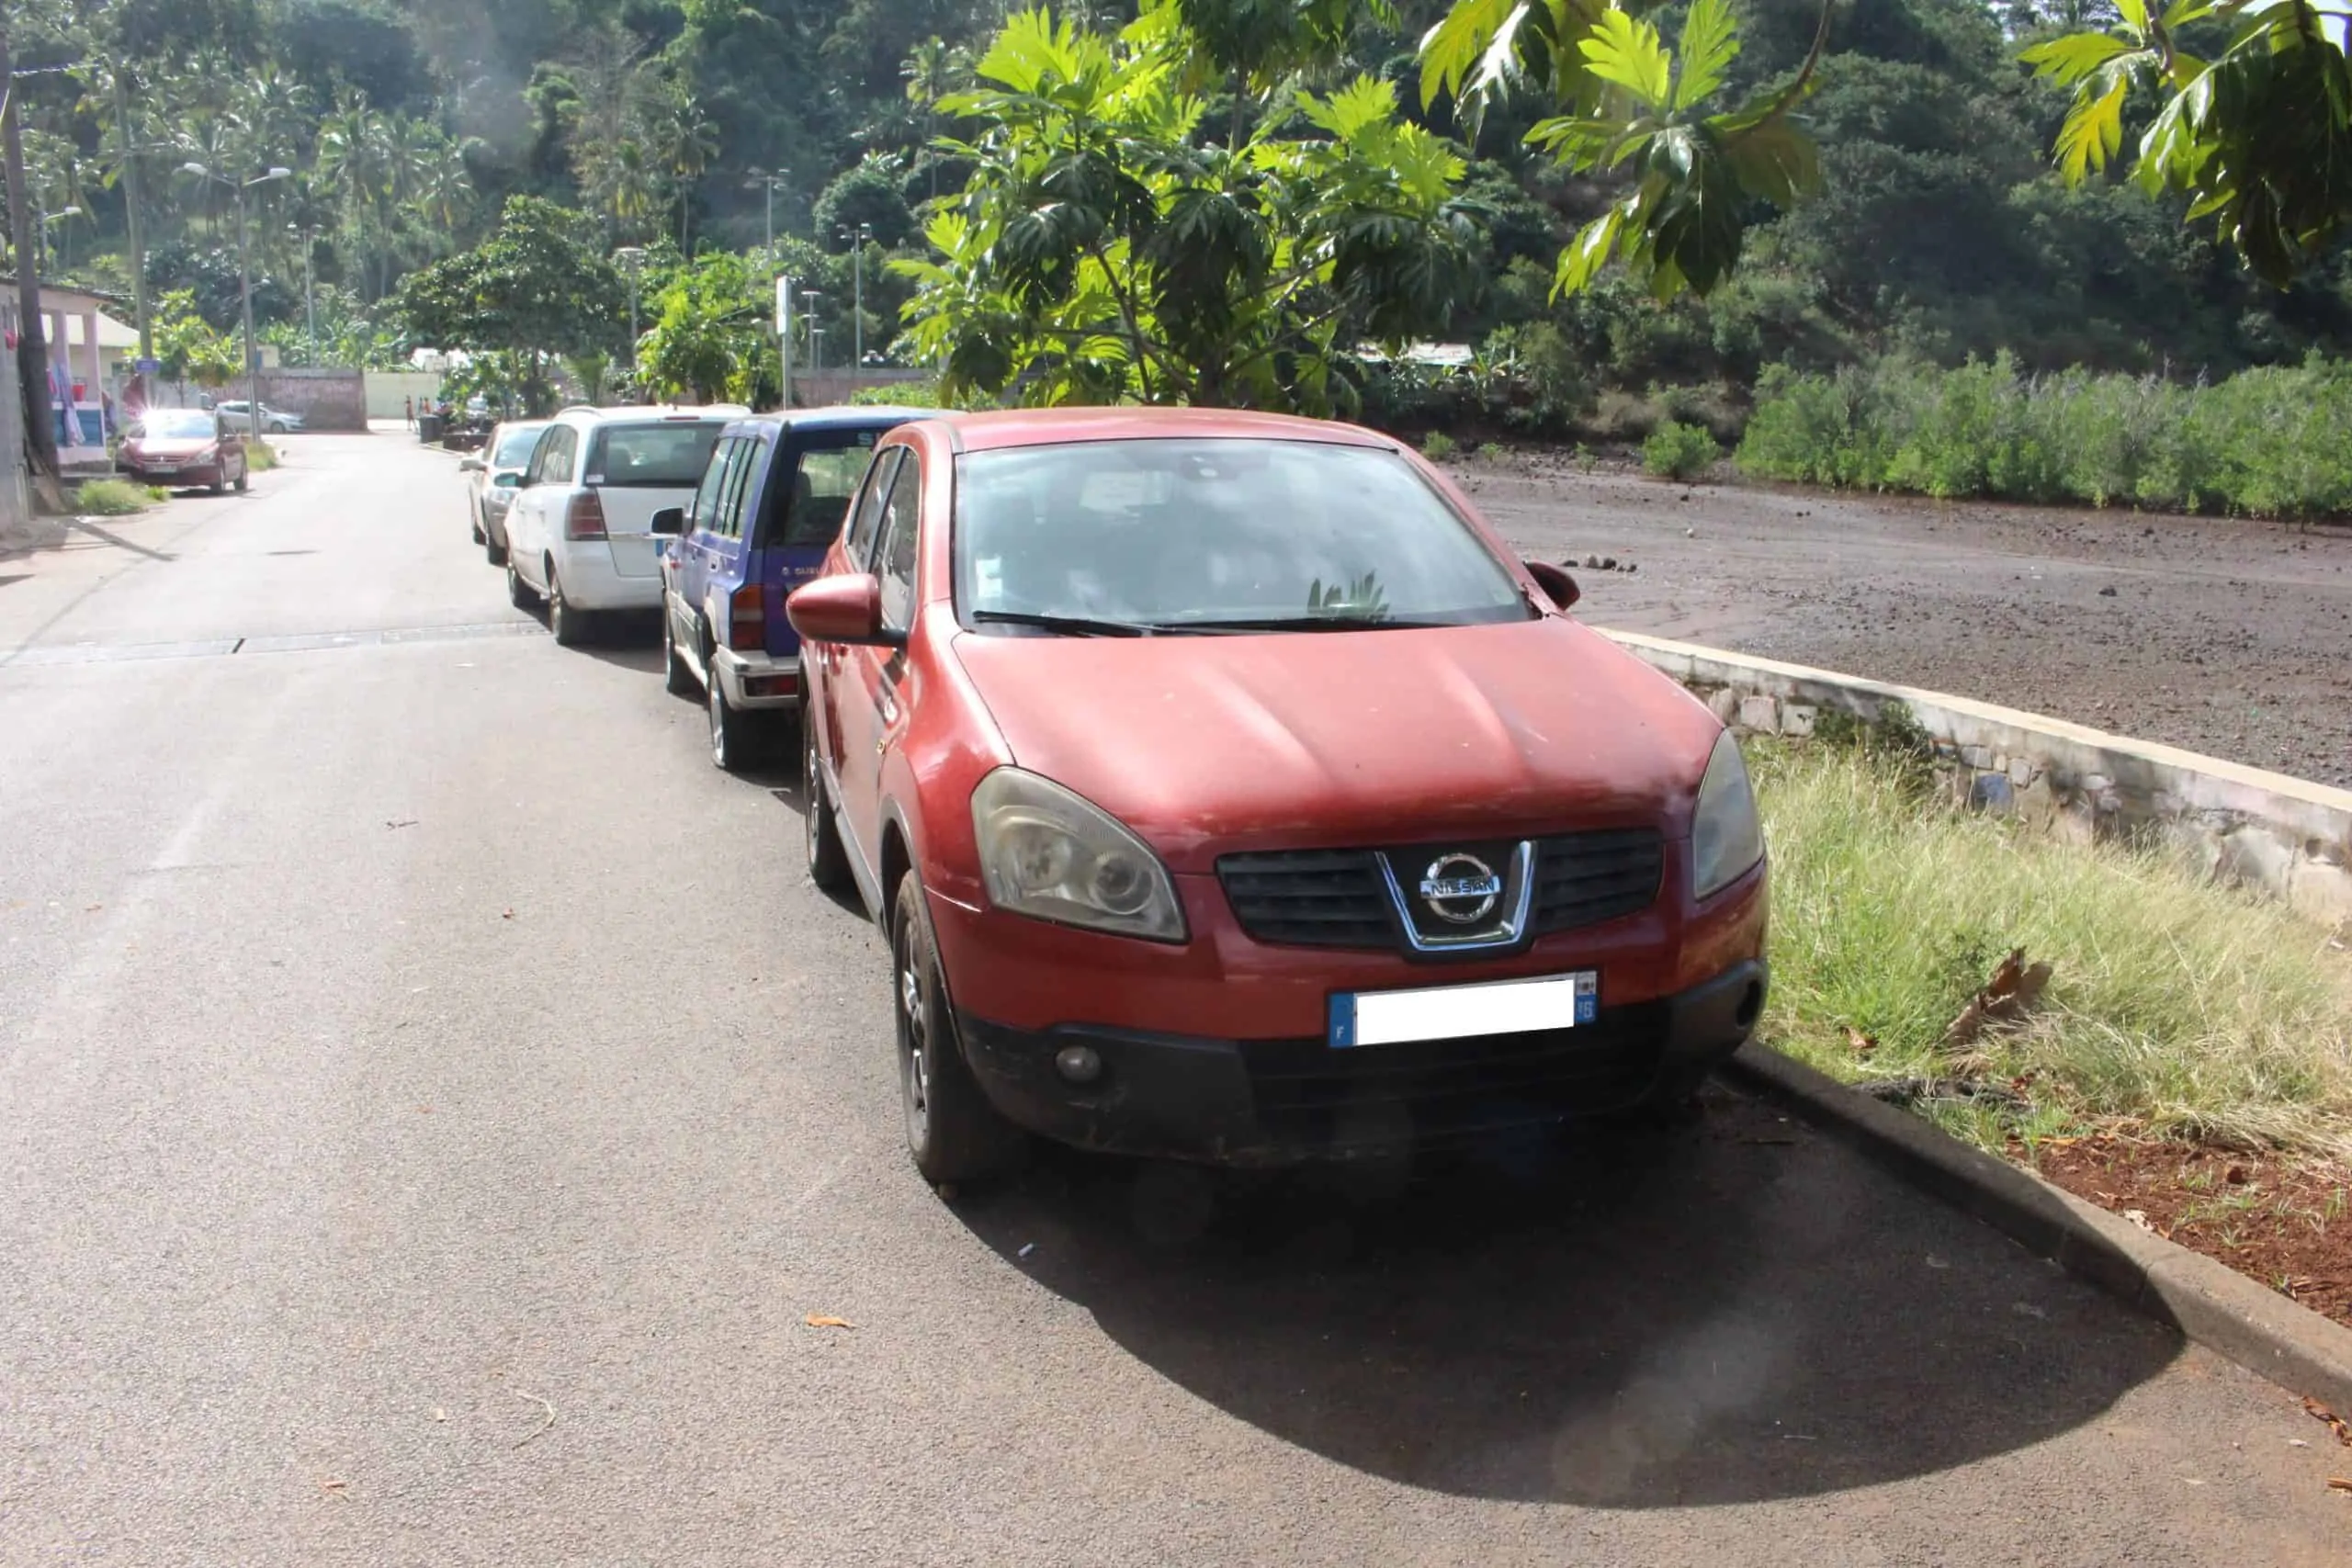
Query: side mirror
[[471, 466], [845, 610], [1557, 583], [504, 481], [670, 522]]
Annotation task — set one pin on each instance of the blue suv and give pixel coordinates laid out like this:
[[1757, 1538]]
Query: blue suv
[[773, 498]]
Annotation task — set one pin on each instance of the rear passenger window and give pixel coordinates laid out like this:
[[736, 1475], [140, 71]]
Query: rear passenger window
[[737, 492], [702, 517], [551, 464], [869, 506]]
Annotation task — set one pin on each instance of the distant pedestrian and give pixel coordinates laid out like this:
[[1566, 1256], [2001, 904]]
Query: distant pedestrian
[[408, 411]]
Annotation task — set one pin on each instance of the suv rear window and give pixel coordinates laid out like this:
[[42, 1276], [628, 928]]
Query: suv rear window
[[663, 457], [817, 500]]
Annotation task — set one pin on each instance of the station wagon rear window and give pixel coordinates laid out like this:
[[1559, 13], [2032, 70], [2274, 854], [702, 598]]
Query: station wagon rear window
[[666, 456]]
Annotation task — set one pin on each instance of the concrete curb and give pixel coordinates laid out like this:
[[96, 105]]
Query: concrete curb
[[2207, 1302]]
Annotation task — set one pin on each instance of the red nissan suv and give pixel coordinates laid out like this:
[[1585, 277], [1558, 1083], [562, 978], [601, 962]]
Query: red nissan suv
[[1228, 792]]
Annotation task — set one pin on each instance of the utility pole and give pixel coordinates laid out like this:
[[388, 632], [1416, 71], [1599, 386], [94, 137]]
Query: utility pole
[[784, 336], [309, 295], [32, 349], [131, 205]]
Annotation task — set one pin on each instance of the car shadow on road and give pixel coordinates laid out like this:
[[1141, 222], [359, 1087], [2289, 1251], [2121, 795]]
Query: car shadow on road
[[1732, 1312]]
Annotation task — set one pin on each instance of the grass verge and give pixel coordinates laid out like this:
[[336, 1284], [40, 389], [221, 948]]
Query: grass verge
[[2177, 1007], [260, 456], [113, 498]]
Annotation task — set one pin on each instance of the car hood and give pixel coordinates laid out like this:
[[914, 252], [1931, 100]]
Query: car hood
[[1208, 745], [172, 447]]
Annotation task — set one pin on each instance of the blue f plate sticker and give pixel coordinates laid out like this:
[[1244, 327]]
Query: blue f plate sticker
[[1343, 1020], [1588, 1000]]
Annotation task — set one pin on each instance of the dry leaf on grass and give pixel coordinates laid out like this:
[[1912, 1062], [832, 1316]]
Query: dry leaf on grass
[[2335, 1422], [1861, 1045], [2013, 993], [819, 1320], [2338, 1483]]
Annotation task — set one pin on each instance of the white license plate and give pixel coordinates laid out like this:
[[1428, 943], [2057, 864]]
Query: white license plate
[[1456, 1012]]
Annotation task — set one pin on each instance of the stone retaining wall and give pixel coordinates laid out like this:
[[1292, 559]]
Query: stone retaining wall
[[2284, 835], [326, 398]]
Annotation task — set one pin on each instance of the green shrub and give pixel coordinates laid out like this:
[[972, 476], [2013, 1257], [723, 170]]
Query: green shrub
[[1490, 453], [1680, 451], [2266, 442], [260, 456], [113, 498], [1437, 447]]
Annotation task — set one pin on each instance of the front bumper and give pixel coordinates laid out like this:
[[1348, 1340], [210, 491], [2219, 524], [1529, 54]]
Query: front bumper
[[1271, 1102], [755, 682], [194, 476]]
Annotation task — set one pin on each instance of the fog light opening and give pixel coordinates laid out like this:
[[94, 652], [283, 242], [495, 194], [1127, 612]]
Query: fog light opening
[[1078, 1063], [1751, 1006]]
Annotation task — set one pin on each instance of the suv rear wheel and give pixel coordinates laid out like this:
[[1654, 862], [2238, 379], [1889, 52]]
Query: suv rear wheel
[[952, 1132], [733, 733]]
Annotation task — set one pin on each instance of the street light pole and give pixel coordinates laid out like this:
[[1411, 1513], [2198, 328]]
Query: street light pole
[[809, 298], [245, 283], [310, 294], [859, 238]]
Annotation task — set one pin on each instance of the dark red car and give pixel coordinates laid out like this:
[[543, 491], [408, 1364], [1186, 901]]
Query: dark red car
[[183, 449], [1227, 791]]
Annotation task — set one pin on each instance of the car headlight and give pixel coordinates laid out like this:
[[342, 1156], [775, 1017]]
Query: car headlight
[[1726, 837], [1048, 853]]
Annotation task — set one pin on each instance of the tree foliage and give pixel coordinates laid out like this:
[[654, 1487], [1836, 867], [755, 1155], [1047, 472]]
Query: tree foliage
[[2260, 136], [1636, 109], [1101, 252], [540, 284]]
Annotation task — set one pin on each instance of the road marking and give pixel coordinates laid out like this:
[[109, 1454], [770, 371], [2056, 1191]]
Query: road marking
[[302, 642]]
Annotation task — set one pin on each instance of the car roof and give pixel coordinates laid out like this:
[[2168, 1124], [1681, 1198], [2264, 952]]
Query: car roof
[[655, 413], [845, 416], [1046, 427]]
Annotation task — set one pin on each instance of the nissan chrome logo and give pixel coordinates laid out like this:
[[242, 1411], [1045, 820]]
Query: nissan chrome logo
[[1461, 889]]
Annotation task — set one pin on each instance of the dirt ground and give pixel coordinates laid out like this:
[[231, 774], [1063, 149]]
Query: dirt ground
[[2283, 1225], [2232, 639]]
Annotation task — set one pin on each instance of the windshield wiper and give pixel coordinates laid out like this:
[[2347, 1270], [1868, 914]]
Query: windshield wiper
[[1066, 626], [1306, 624]]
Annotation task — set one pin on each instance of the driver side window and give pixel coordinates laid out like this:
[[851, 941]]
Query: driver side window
[[901, 535]]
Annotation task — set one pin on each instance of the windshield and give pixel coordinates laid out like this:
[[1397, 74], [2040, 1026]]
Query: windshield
[[1192, 533], [177, 424], [668, 456], [515, 448]]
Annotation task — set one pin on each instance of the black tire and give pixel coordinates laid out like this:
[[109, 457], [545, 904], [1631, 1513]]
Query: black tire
[[569, 624], [952, 1132], [481, 533], [519, 593], [493, 548], [675, 676], [220, 479], [735, 735], [244, 477], [827, 857]]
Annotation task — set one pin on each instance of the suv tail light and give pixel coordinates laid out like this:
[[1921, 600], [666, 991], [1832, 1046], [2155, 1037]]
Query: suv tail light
[[747, 619], [584, 518]]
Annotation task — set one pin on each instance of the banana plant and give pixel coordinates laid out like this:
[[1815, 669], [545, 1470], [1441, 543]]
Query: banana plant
[[1644, 114], [2259, 137]]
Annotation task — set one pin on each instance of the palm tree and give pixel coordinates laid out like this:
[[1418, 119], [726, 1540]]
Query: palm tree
[[687, 142], [355, 166]]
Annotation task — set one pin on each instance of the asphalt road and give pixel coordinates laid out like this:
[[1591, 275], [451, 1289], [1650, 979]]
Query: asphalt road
[[432, 1100]]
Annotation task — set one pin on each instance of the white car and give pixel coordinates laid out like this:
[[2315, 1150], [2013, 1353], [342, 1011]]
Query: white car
[[580, 532], [276, 422]]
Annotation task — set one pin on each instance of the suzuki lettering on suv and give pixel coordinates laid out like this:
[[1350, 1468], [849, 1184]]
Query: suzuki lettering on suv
[[1226, 791]]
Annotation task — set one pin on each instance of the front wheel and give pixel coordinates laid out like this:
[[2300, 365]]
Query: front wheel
[[827, 857], [244, 477], [952, 1132], [481, 534]]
